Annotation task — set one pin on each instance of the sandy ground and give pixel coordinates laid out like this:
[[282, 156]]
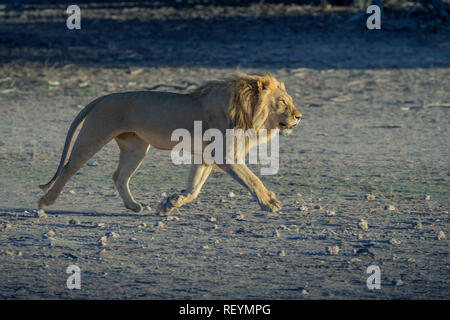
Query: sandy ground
[[376, 122]]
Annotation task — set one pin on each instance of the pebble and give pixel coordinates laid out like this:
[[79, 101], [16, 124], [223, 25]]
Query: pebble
[[239, 216], [398, 282], [231, 194], [441, 235], [100, 225], [142, 225], [418, 226], [363, 224], [212, 219], [427, 197], [133, 239], [6, 227], [305, 292], [72, 191], [102, 241], [394, 241], [163, 194], [282, 253], [370, 197], [276, 234], [48, 234], [333, 250], [113, 235], [74, 221], [160, 224], [331, 213], [92, 163], [103, 252], [318, 207], [303, 208], [389, 208]]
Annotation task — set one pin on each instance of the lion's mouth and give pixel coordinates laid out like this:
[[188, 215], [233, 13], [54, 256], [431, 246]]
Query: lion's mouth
[[282, 124]]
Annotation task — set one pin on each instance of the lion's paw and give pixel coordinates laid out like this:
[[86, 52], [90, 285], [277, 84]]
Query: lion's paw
[[166, 206], [271, 203], [136, 207]]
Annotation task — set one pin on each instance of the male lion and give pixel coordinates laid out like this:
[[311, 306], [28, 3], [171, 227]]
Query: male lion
[[138, 120]]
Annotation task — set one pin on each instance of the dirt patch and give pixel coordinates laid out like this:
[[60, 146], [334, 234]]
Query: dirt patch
[[376, 122]]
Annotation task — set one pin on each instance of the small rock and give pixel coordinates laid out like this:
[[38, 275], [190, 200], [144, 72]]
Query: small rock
[[92, 163], [363, 224], [389, 208], [418, 226], [102, 241], [331, 213], [398, 282], [163, 194], [305, 292], [239, 216], [102, 252], [212, 219], [286, 132], [394, 241], [100, 225], [369, 197], [441, 235], [215, 226], [282, 253], [74, 221], [299, 195], [206, 247], [333, 250], [133, 239], [72, 191], [355, 260], [231, 194], [6, 227], [160, 224], [276, 234], [136, 72], [53, 82], [142, 225], [303, 208], [83, 84], [48, 234], [318, 207], [427, 197], [40, 214], [113, 235]]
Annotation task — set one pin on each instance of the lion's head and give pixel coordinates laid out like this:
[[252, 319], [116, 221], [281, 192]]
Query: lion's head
[[261, 102]]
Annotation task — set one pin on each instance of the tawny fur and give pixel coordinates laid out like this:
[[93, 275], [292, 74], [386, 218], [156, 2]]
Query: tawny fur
[[138, 120]]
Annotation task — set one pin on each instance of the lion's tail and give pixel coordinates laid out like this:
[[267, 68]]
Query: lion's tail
[[73, 127]]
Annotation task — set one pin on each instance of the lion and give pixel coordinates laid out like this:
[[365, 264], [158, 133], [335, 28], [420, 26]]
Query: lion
[[141, 119]]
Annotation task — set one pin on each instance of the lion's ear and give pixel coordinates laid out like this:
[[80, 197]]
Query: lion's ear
[[282, 86], [263, 84]]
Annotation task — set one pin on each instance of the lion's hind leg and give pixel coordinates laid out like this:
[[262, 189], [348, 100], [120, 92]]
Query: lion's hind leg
[[197, 177], [132, 151], [87, 144]]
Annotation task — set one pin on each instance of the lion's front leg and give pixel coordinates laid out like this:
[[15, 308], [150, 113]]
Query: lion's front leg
[[197, 177], [242, 174]]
